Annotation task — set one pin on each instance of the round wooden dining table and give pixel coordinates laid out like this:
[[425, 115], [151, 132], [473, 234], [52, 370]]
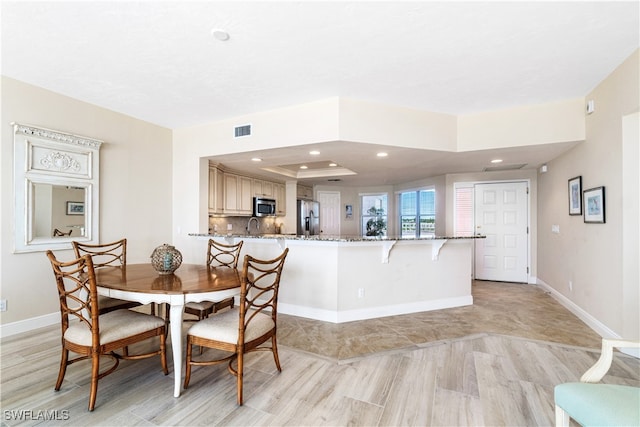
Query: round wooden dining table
[[189, 283]]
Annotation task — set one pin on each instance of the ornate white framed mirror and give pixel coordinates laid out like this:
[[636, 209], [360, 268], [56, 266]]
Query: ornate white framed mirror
[[56, 186]]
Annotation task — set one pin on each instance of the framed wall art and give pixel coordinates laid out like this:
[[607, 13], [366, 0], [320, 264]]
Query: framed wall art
[[75, 208], [348, 212], [575, 196], [593, 200]]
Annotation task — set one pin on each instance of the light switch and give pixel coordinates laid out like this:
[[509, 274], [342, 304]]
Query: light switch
[[555, 229]]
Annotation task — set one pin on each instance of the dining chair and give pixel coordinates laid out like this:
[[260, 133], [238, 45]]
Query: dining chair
[[92, 335], [107, 254], [58, 233], [218, 255], [592, 404], [243, 329]]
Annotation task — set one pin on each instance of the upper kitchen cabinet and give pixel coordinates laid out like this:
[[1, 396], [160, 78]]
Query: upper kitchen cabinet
[[232, 193], [238, 198], [304, 192], [280, 192], [263, 188], [216, 190]]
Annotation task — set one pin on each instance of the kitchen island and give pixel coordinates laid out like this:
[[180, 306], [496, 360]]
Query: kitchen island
[[345, 278]]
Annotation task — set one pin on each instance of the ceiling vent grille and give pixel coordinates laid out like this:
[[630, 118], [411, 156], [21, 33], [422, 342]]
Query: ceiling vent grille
[[242, 131], [504, 167]]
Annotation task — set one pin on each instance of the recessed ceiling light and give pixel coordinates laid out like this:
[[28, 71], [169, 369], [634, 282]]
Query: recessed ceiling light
[[256, 159], [496, 161], [333, 165], [314, 152], [304, 167], [219, 34], [382, 154]]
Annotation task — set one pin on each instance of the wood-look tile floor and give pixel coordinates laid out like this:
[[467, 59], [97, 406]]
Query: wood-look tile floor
[[495, 363]]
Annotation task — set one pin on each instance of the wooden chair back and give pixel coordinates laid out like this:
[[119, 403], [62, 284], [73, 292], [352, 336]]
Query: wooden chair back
[[223, 255], [58, 233], [113, 254], [77, 291], [259, 290]]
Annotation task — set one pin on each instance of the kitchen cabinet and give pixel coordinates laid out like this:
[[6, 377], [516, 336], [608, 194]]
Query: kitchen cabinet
[[216, 191], [238, 198], [304, 192], [280, 192], [232, 193], [263, 188]]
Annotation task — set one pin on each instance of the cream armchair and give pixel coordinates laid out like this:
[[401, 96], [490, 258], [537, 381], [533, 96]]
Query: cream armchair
[[599, 404]]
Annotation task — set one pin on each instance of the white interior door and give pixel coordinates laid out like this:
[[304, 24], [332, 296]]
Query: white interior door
[[329, 212], [501, 214]]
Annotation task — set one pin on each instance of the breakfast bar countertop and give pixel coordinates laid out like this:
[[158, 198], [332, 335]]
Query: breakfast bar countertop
[[325, 238]]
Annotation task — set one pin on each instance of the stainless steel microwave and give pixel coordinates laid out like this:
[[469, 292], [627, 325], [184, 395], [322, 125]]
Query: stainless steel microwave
[[264, 207]]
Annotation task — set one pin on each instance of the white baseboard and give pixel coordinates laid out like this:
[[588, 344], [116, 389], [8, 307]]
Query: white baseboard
[[31, 324], [372, 312], [599, 327]]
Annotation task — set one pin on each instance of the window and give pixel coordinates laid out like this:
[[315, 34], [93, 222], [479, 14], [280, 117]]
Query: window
[[374, 215], [463, 211], [417, 207]]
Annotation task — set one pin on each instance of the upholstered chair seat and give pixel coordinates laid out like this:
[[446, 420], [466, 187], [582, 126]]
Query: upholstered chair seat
[[592, 403], [114, 326]]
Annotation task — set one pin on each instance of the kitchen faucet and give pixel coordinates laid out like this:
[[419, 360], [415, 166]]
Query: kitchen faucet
[[249, 224]]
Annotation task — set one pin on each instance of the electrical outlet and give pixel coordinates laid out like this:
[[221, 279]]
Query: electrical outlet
[[229, 227], [3, 305], [570, 285], [360, 292]]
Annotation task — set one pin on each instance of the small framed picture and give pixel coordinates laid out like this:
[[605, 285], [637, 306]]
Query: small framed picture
[[75, 208], [575, 196], [348, 212], [593, 200]]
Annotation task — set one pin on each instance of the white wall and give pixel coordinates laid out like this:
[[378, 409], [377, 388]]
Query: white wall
[[555, 122], [591, 256], [135, 189]]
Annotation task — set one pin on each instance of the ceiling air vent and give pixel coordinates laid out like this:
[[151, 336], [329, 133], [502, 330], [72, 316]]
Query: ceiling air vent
[[240, 131], [504, 167]]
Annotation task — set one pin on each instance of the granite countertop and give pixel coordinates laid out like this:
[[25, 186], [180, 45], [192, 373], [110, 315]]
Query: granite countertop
[[324, 238]]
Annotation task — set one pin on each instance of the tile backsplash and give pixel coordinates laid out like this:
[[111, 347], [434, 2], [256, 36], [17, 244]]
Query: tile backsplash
[[267, 225]]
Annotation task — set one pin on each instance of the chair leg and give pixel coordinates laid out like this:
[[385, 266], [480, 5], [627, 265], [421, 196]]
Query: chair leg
[[562, 418], [240, 374], [187, 371], [274, 350], [163, 353], [63, 368], [95, 372], [201, 316]]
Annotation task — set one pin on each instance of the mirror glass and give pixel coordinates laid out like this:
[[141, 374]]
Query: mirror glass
[[58, 211]]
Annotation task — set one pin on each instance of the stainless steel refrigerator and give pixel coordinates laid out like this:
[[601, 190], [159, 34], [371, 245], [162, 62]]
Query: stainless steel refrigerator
[[308, 218]]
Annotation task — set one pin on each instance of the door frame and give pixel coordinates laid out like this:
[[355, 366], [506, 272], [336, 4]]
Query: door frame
[[472, 184]]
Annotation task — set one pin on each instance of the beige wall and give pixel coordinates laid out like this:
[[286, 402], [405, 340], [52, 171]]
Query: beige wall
[[561, 121], [591, 255], [135, 189], [374, 123]]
